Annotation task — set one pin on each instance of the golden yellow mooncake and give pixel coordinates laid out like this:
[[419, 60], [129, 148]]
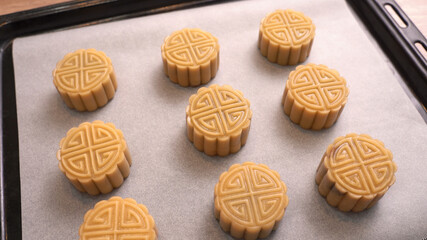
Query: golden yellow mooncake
[[94, 157], [190, 57], [355, 172], [118, 219], [250, 200], [314, 96], [218, 120], [85, 79], [286, 37]]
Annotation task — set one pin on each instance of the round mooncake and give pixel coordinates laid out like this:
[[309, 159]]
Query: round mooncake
[[94, 157], [314, 96], [250, 200], [85, 79], [355, 172], [190, 57], [286, 37], [218, 120], [118, 218]]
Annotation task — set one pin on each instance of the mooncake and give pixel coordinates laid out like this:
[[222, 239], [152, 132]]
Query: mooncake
[[286, 37], [118, 219], [218, 120], [190, 57], [314, 96], [94, 157], [85, 79], [355, 172], [250, 200]]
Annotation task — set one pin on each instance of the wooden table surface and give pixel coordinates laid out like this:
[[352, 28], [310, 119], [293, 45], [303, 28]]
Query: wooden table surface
[[417, 12], [415, 9]]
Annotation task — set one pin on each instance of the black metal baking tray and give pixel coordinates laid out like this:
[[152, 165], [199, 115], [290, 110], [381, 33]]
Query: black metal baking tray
[[398, 43], [395, 42]]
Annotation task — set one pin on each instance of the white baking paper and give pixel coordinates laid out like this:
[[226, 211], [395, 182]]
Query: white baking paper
[[173, 179]]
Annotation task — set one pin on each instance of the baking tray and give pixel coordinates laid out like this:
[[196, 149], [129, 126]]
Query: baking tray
[[57, 17], [398, 43]]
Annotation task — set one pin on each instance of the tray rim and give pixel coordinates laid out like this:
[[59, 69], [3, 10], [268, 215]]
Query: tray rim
[[398, 44]]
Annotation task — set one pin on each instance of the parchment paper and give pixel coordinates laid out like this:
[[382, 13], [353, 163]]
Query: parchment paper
[[173, 179]]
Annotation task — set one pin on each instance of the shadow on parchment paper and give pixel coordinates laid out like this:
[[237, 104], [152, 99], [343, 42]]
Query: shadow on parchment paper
[[196, 162], [211, 226], [166, 89], [67, 196], [329, 219], [272, 70], [58, 105], [301, 138], [62, 202]]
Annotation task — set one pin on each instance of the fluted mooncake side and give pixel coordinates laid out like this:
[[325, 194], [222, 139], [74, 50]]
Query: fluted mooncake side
[[286, 37], [250, 200], [314, 96], [85, 79], [218, 120], [190, 57], [355, 172], [94, 157]]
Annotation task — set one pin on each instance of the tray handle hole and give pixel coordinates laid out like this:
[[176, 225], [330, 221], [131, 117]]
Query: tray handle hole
[[396, 16], [422, 49]]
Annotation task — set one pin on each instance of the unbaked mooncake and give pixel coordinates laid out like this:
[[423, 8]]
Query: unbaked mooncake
[[355, 172], [118, 219], [94, 157], [286, 37], [85, 79], [190, 57], [250, 200], [218, 120], [314, 96]]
